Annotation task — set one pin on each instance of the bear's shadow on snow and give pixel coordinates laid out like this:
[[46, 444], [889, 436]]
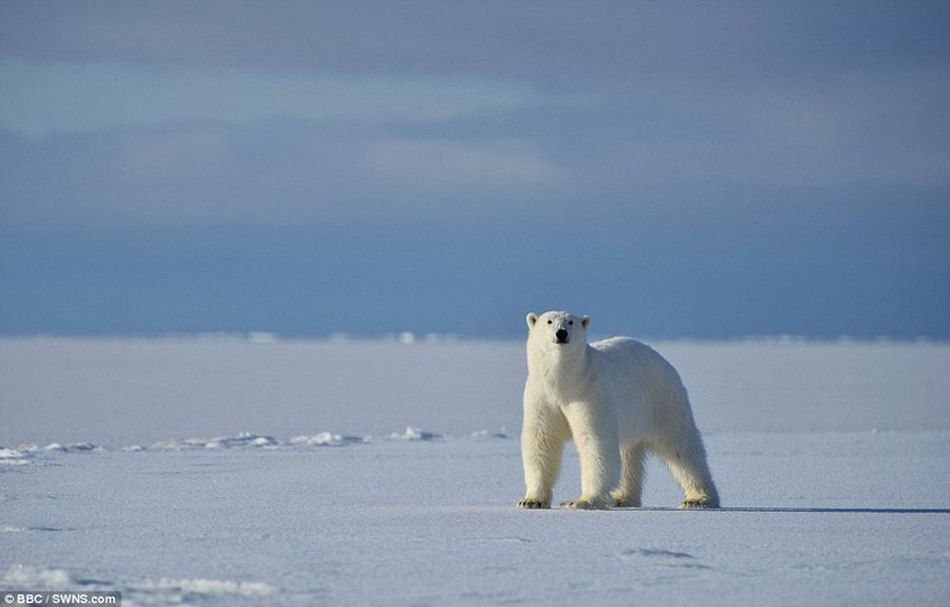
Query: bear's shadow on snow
[[794, 510]]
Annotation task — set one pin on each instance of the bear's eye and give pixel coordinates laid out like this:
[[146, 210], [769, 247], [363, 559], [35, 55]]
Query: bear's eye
[[550, 322], [571, 322]]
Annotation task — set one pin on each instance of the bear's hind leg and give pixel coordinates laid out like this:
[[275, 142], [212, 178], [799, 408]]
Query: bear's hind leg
[[632, 458], [687, 462]]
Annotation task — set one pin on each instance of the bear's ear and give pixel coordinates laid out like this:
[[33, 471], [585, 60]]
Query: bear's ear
[[585, 321], [531, 318]]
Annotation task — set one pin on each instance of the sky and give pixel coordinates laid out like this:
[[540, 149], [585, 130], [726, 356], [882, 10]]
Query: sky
[[707, 170]]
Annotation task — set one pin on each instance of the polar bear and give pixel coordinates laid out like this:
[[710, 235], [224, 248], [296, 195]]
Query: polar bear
[[618, 399]]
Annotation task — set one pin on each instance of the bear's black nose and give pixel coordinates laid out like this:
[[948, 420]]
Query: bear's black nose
[[561, 334]]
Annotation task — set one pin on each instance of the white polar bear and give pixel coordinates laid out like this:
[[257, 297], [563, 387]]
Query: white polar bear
[[618, 399]]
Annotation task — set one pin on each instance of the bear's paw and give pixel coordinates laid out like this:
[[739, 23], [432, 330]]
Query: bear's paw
[[582, 503], [698, 503], [531, 503], [621, 500]]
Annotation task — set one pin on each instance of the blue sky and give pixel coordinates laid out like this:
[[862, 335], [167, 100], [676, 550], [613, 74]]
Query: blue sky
[[695, 170]]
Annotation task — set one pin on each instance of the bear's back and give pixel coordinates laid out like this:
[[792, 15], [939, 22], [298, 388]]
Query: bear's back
[[636, 364], [625, 347]]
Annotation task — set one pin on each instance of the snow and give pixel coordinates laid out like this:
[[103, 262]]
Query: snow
[[10, 454], [416, 434], [831, 460], [326, 439], [487, 434], [244, 439], [135, 591]]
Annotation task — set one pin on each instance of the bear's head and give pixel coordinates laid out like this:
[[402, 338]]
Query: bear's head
[[558, 330]]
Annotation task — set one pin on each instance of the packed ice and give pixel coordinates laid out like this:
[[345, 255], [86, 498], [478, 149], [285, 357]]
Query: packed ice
[[137, 473]]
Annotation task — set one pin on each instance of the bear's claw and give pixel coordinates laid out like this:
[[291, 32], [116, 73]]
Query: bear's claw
[[696, 504], [533, 504]]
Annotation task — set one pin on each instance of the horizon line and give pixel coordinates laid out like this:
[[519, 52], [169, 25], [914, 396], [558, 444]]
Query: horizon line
[[410, 338]]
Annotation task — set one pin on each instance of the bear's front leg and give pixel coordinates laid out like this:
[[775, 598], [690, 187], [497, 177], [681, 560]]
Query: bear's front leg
[[543, 435], [595, 432]]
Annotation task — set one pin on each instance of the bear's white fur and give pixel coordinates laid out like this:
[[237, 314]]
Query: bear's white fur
[[618, 399]]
